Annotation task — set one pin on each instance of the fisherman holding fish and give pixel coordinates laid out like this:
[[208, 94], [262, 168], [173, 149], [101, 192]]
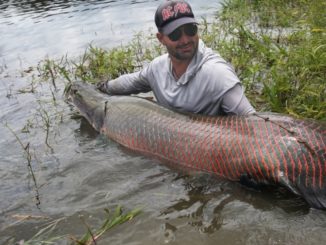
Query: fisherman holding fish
[[190, 77]]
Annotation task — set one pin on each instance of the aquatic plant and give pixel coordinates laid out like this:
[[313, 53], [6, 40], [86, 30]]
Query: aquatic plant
[[117, 218], [28, 155], [45, 235]]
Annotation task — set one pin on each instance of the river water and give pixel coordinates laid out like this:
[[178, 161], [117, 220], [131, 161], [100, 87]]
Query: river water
[[78, 173]]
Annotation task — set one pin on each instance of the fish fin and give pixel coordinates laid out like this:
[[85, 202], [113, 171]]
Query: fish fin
[[315, 195]]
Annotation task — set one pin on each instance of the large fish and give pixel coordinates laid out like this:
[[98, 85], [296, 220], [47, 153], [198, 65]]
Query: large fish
[[262, 148]]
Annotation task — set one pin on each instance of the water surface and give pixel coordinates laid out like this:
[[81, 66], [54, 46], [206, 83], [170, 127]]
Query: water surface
[[31, 30], [80, 173]]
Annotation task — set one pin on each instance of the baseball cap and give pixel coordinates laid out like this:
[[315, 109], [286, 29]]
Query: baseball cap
[[172, 14]]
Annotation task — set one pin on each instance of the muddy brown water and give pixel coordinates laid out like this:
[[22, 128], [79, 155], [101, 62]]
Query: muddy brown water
[[80, 173]]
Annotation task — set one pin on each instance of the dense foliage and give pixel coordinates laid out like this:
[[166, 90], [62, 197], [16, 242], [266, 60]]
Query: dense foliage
[[278, 49]]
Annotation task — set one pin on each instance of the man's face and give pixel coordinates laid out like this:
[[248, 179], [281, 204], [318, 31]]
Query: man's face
[[182, 43]]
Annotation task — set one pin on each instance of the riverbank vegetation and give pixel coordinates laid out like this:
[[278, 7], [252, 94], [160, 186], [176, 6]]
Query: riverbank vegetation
[[277, 48]]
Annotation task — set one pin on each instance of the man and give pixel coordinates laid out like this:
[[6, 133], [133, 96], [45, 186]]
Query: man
[[190, 77]]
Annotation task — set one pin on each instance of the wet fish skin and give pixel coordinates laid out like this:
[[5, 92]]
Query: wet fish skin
[[268, 148]]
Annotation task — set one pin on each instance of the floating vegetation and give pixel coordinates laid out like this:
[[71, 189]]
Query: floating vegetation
[[117, 218], [43, 236], [28, 155], [46, 235]]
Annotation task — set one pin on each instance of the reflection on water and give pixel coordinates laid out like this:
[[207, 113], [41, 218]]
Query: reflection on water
[[46, 6], [43, 9], [56, 28], [83, 172]]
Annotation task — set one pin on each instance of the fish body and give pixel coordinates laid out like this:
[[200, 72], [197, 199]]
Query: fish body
[[266, 148]]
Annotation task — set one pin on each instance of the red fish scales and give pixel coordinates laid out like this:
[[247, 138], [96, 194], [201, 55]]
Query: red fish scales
[[267, 147]]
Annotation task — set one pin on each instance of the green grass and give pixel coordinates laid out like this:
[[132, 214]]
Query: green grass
[[112, 220], [278, 46]]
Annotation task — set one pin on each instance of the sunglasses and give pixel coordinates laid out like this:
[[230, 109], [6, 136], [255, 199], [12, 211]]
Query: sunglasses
[[190, 30]]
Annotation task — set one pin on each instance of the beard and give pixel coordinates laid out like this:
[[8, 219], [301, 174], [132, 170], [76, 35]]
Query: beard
[[183, 51]]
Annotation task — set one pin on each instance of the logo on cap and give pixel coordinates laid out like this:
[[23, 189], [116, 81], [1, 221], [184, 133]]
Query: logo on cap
[[170, 11], [172, 14]]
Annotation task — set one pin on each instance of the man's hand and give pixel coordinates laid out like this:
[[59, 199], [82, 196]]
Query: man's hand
[[102, 86]]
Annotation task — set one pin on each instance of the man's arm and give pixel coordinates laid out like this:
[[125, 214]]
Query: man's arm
[[235, 102], [126, 84]]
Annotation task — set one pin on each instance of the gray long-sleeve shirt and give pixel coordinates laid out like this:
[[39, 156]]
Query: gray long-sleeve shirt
[[209, 86]]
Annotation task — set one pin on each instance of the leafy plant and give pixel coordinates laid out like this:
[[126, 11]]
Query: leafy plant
[[277, 46], [117, 218]]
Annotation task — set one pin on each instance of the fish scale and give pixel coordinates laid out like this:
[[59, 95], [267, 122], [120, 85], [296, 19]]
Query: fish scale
[[267, 148]]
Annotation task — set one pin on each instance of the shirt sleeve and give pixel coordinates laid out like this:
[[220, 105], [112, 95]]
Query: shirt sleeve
[[235, 102], [132, 83]]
